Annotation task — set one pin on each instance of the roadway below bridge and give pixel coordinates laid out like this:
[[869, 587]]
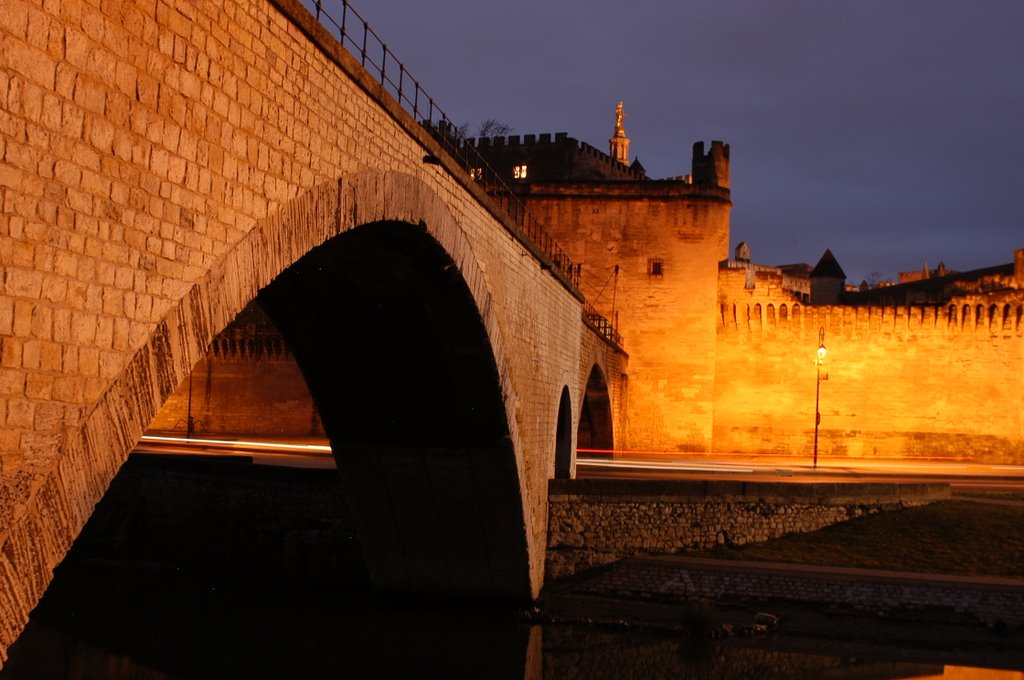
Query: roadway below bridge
[[962, 476]]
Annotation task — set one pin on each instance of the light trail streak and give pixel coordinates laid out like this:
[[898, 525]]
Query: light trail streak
[[319, 448], [648, 465]]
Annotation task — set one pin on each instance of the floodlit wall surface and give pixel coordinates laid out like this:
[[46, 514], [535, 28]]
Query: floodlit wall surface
[[919, 381], [666, 239]]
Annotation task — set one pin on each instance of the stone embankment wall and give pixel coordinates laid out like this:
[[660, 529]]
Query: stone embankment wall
[[595, 522]]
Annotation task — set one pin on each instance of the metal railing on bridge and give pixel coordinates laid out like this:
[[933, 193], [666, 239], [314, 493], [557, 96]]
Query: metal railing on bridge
[[355, 34], [600, 324]]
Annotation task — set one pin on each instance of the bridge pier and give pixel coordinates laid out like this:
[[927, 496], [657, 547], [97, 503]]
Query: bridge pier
[[437, 520]]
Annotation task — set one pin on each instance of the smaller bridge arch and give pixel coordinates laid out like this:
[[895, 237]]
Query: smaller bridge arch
[[596, 425], [563, 437]]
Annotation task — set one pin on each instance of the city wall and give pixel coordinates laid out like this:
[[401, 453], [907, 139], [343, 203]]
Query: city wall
[[242, 391], [598, 521], [910, 381]]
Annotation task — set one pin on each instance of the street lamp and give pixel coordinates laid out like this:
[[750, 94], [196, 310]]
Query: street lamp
[[817, 390]]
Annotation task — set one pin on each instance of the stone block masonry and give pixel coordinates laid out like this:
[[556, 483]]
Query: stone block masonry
[[931, 381], [595, 522], [162, 162]]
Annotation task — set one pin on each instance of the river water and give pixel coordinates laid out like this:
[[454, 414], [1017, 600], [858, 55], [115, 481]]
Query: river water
[[112, 619]]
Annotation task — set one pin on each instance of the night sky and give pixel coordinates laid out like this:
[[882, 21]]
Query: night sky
[[888, 131]]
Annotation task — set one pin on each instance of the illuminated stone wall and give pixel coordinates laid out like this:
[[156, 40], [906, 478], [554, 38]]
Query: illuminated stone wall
[[161, 163], [921, 381], [238, 394], [667, 239]]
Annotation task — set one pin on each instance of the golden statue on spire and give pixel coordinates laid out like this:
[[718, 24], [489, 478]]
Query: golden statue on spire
[[618, 145]]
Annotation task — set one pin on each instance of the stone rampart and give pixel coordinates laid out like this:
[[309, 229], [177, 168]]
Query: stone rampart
[[938, 381], [595, 522]]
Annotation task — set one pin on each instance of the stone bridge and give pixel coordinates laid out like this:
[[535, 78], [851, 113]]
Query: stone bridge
[[165, 163]]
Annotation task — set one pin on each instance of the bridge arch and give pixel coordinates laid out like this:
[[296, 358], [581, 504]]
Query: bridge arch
[[563, 437], [400, 366], [595, 430], [67, 486]]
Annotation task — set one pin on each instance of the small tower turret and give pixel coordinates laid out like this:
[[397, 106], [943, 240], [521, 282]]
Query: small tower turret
[[711, 168], [828, 280], [618, 145]]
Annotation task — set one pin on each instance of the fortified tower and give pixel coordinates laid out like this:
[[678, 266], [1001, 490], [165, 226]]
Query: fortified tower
[[827, 281], [712, 167], [649, 251]]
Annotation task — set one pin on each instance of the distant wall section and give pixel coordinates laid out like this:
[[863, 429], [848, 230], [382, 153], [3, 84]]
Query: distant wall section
[[911, 381]]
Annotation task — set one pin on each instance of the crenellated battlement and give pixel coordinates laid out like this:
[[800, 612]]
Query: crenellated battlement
[[990, 316], [904, 381], [711, 167], [521, 140], [540, 148], [559, 156]]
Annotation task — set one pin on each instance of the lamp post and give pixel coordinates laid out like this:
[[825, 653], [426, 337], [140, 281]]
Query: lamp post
[[817, 390]]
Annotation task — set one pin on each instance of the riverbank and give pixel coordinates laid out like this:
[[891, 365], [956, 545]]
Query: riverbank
[[960, 620]]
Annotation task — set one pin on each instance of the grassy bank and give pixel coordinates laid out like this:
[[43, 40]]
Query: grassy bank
[[950, 537]]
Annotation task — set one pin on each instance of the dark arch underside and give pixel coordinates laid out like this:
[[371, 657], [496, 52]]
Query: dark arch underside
[[563, 437], [595, 428], [399, 364]]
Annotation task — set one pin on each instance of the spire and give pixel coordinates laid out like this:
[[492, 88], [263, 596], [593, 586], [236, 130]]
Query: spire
[[828, 267], [619, 144]]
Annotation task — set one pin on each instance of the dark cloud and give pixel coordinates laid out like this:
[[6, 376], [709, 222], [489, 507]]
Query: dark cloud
[[889, 132]]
